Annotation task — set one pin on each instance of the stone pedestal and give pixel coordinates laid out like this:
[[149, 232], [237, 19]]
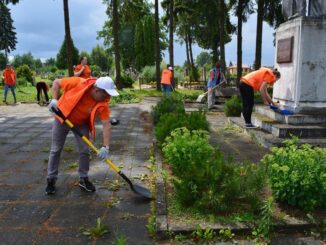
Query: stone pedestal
[[301, 59]]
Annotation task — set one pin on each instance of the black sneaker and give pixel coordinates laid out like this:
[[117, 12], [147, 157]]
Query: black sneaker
[[250, 125], [86, 185], [50, 188]]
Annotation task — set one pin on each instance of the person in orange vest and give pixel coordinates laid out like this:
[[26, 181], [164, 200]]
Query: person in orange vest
[[81, 102], [256, 81], [82, 70], [166, 80], [215, 78], [9, 77]]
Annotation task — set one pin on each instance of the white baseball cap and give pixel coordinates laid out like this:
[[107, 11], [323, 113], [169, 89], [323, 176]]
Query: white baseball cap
[[170, 68], [108, 85]]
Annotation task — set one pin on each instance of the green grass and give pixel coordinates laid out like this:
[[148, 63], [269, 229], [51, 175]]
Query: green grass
[[28, 94], [23, 94]]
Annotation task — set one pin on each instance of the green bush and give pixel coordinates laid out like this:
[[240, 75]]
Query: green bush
[[125, 97], [165, 105], [233, 106], [170, 121], [126, 81], [96, 70], [21, 81], [298, 174], [24, 71], [149, 74], [204, 180]]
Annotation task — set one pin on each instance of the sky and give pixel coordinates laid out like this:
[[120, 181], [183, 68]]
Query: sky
[[40, 30]]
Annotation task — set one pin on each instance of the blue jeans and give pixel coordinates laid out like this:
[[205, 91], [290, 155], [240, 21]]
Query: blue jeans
[[166, 89], [12, 88]]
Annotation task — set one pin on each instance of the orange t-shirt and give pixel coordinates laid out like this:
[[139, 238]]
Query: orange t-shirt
[[82, 111], [86, 72], [256, 78], [166, 77], [9, 76]]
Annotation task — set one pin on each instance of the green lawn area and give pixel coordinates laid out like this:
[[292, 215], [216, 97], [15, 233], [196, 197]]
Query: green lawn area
[[28, 94]]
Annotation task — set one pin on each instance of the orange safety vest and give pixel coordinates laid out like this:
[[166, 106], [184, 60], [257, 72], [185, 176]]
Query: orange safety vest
[[86, 72], [10, 77], [73, 94], [166, 77], [256, 78]]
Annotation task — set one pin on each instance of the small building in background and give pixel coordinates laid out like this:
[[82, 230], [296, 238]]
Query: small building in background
[[233, 69]]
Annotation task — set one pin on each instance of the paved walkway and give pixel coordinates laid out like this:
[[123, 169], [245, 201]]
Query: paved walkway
[[28, 216]]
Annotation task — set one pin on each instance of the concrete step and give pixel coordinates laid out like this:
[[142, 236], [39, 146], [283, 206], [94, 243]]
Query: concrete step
[[282, 130], [268, 140], [296, 119]]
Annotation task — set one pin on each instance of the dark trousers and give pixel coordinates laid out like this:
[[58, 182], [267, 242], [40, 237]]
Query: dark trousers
[[41, 86], [247, 95]]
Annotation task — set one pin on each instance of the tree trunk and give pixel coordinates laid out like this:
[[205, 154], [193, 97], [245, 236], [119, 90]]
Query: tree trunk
[[68, 37], [222, 33], [171, 23], [190, 51], [259, 36], [187, 51], [116, 44], [239, 40], [157, 48]]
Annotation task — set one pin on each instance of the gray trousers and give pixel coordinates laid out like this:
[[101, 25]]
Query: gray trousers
[[210, 98], [59, 134]]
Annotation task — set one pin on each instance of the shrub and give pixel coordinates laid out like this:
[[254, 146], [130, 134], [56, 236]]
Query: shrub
[[126, 81], [170, 121], [204, 180], [149, 74], [233, 106], [21, 81], [96, 70], [298, 175], [165, 105], [125, 98], [25, 72]]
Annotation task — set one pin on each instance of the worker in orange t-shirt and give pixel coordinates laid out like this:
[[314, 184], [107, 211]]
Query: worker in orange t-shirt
[[82, 70], [256, 81], [9, 76], [82, 101], [166, 80]]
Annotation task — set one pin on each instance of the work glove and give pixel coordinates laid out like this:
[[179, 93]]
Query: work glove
[[53, 103], [103, 153], [273, 107]]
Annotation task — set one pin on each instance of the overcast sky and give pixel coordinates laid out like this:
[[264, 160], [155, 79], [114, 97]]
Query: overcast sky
[[40, 30]]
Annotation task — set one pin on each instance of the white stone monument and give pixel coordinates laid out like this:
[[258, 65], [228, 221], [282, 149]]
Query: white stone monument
[[301, 59]]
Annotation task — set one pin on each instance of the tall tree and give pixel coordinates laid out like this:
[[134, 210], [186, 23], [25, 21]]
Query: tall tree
[[157, 47], [116, 42], [101, 58], [221, 16], [171, 32], [68, 38], [271, 12], [8, 38], [61, 61], [242, 9]]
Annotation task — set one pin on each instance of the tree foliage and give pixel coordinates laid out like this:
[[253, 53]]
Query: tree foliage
[[101, 58], [61, 60], [8, 37]]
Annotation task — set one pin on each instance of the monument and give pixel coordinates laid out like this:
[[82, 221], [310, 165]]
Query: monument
[[301, 57]]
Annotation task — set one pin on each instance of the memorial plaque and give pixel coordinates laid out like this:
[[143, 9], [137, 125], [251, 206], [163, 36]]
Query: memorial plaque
[[284, 50]]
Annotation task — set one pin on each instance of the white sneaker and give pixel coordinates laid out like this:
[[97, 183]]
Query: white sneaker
[[250, 125]]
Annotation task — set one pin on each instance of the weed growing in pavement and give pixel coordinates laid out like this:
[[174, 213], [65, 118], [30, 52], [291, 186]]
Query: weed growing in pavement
[[151, 225], [97, 231], [68, 148], [120, 240], [73, 165], [128, 216], [113, 201], [203, 235], [261, 234], [319, 232], [225, 235]]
